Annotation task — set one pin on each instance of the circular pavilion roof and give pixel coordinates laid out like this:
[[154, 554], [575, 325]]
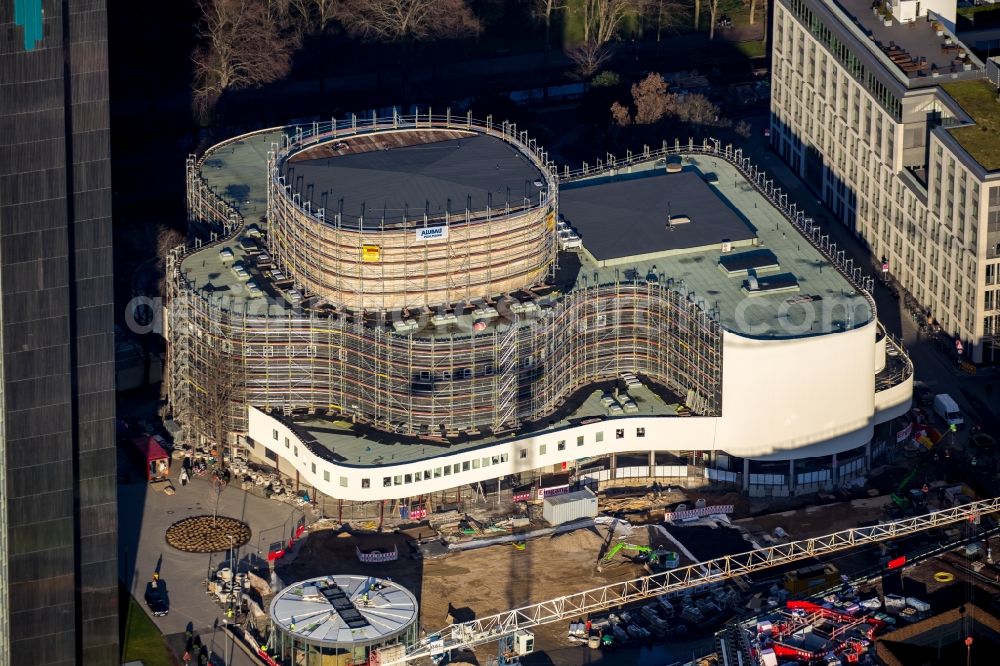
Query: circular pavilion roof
[[344, 610]]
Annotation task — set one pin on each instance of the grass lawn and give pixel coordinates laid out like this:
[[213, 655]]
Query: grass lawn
[[143, 641], [982, 140], [752, 49]]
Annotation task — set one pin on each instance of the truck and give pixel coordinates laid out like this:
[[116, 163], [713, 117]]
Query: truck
[[946, 408]]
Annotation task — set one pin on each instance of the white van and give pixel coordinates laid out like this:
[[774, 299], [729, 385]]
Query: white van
[[947, 409]]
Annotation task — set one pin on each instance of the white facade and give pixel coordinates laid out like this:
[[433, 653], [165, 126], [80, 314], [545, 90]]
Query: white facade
[[782, 400], [857, 132]]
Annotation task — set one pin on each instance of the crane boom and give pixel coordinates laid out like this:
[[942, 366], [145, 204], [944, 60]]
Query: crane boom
[[491, 628]]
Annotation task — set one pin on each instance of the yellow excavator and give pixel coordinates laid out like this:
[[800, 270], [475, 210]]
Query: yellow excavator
[[658, 559]]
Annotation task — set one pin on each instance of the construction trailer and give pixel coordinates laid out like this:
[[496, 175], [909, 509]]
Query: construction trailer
[[569, 507]]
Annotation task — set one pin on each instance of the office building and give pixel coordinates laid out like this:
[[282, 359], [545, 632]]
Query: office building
[[893, 122], [58, 530]]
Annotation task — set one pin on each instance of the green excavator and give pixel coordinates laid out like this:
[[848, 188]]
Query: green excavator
[[657, 558]]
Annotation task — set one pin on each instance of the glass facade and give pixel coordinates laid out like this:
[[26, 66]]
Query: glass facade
[[58, 520], [301, 651]]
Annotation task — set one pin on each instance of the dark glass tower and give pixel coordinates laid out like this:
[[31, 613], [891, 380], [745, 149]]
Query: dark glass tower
[[58, 519]]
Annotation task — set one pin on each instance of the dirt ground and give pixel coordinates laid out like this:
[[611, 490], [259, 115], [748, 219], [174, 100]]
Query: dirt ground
[[814, 521], [479, 582]]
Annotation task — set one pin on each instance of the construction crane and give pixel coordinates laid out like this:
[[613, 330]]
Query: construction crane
[[580, 604], [657, 557]]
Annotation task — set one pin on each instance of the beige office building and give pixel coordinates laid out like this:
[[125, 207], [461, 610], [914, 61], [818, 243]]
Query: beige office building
[[894, 123]]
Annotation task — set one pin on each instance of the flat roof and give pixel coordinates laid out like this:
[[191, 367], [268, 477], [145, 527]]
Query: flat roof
[[567, 498], [405, 182], [982, 140], [623, 217], [344, 609], [914, 47], [353, 447], [238, 170], [834, 306]]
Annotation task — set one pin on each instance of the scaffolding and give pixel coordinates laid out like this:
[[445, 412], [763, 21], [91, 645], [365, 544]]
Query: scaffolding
[[469, 376]]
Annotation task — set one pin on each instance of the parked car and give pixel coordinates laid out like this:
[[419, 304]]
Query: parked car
[[156, 599]]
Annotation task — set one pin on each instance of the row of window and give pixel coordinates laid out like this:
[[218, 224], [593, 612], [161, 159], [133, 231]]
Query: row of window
[[456, 468]]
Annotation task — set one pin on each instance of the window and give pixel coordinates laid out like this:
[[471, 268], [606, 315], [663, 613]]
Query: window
[[314, 468], [287, 443], [447, 470], [326, 475], [274, 433], [579, 440], [397, 480], [437, 472], [296, 451], [475, 463], [640, 432], [465, 466], [599, 436], [541, 450], [562, 445], [504, 457], [343, 482], [427, 475], [620, 433], [386, 481], [366, 483], [407, 478], [454, 468], [522, 454], [486, 462]]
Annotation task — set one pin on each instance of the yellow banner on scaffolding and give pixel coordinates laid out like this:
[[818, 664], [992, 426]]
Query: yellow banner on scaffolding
[[550, 220], [371, 253]]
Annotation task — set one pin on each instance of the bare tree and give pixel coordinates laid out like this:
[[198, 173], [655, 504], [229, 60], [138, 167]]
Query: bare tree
[[713, 10], [408, 20], [697, 13], [753, 10], [242, 45], [316, 15], [544, 11], [666, 15], [603, 18], [588, 58], [651, 99]]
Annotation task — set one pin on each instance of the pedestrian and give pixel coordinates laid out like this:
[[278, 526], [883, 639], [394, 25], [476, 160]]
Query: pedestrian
[[184, 477], [186, 658]]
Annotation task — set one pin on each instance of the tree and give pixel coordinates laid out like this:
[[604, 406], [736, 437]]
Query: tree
[[601, 21], [588, 58], [544, 10], [695, 109], [753, 10], [713, 10], [408, 20], [621, 115], [241, 45], [666, 15], [603, 18], [316, 15], [651, 99]]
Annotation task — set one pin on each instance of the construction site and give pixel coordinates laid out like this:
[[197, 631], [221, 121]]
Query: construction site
[[387, 310]]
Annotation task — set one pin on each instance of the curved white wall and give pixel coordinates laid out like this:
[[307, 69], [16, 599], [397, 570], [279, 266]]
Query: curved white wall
[[779, 396]]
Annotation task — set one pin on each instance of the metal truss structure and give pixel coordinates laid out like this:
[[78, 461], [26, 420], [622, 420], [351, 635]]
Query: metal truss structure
[[491, 628]]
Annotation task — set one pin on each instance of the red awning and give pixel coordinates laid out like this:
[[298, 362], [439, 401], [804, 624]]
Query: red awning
[[150, 448]]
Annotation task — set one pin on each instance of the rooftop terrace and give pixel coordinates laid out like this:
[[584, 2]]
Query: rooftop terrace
[[982, 140], [913, 51]]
